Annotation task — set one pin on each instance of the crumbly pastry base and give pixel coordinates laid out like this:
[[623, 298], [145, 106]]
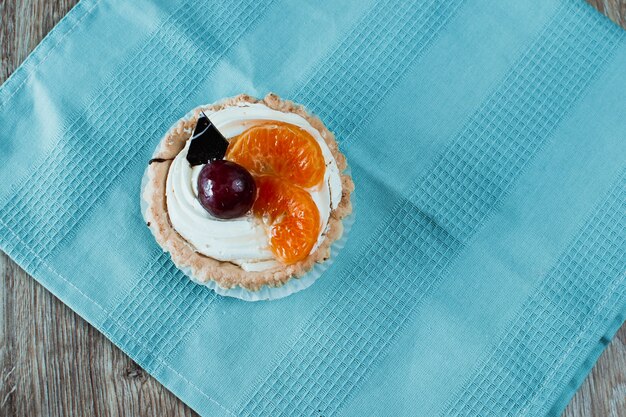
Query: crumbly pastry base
[[227, 274]]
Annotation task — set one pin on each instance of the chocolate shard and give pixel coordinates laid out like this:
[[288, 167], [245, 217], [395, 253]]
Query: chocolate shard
[[207, 143], [154, 160]]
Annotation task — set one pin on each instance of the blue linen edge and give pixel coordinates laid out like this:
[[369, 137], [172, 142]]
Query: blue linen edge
[[581, 373], [63, 28]]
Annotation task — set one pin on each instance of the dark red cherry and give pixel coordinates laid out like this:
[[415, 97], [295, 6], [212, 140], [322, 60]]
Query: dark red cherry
[[226, 189]]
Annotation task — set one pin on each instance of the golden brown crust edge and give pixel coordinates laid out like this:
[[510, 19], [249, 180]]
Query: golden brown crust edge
[[226, 274]]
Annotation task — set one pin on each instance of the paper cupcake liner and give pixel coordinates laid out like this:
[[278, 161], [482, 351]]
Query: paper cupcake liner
[[266, 292]]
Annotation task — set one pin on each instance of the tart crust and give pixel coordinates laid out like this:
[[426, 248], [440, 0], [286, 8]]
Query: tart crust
[[204, 268]]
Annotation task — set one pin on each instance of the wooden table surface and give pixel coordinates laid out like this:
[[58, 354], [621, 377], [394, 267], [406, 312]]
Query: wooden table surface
[[52, 363]]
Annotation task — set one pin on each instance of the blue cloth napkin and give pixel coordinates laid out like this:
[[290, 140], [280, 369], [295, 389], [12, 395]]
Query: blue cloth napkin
[[485, 272]]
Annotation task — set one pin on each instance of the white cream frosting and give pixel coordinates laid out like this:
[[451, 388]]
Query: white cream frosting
[[243, 241]]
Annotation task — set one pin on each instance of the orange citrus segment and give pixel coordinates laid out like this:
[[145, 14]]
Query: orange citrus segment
[[279, 149], [292, 217]]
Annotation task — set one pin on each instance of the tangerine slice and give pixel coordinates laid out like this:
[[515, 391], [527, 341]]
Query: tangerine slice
[[292, 217], [280, 149]]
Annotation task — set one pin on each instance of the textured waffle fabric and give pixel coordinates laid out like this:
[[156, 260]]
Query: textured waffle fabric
[[485, 271]]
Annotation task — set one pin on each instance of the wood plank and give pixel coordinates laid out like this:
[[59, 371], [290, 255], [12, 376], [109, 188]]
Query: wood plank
[[53, 363]]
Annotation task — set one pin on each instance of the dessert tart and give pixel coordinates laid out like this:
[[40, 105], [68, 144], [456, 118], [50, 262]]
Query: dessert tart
[[248, 196]]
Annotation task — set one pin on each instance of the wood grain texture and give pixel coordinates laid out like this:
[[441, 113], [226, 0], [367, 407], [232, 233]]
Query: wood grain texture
[[53, 363], [614, 9]]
